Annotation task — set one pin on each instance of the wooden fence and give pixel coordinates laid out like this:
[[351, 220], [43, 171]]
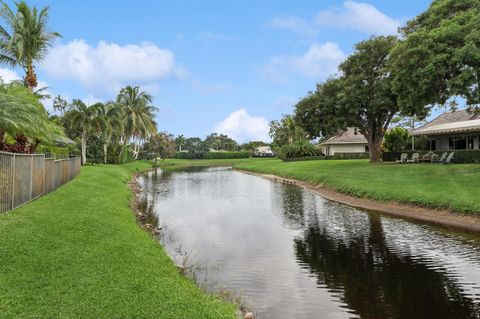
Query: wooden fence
[[24, 177]]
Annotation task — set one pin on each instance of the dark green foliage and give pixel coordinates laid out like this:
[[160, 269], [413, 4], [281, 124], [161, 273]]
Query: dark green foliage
[[54, 151], [212, 155], [460, 157], [306, 158], [220, 142], [439, 57], [348, 156], [298, 149], [396, 139], [286, 131]]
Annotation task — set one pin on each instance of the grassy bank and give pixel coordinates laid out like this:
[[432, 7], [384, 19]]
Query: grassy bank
[[78, 253], [454, 187]]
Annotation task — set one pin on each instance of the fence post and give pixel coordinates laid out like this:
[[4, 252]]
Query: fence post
[[13, 182], [31, 177]]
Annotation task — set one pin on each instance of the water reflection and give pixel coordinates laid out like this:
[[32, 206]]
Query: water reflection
[[297, 255]]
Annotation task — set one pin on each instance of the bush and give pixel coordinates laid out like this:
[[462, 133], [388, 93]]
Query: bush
[[221, 155], [349, 156], [54, 151], [211, 155], [306, 158], [298, 150], [460, 157], [396, 139]]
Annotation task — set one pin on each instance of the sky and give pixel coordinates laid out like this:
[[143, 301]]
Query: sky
[[225, 66]]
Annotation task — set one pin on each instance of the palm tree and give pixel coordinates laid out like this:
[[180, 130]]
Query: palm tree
[[112, 120], [138, 116], [21, 113], [90, 120], [180, 140], [28, 40]]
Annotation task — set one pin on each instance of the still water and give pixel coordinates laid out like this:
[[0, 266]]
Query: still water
[[294, 254]]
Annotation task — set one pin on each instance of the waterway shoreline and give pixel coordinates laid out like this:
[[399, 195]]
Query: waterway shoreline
[[442, 217]]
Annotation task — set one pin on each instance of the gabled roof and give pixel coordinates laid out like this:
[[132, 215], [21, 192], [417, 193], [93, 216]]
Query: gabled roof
[[451, 122], [350, 136]]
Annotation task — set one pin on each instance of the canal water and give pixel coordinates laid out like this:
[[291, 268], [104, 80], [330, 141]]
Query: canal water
[[293, 254]]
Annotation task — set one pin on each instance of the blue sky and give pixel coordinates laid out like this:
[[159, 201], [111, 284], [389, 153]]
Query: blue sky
[[229, 66]]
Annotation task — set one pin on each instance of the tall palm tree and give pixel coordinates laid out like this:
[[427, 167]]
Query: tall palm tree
[[138, 116], [89, 119], [113, 125], [28, 39]]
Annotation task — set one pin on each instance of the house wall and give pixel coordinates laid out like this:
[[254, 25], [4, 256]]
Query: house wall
[[343, 148]]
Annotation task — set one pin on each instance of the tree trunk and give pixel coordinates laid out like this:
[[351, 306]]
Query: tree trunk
[[375, 147], [136, 150], [84, 147], [105, 149], [31, 77]]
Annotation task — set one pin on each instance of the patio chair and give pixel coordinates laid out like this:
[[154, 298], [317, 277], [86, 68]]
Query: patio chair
[[449, 159], [427, 158], [415, 159], [441, 159], [403, 158]]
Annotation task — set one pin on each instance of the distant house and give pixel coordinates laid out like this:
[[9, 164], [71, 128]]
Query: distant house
[[349, 141], [455, 130], [263, 151]]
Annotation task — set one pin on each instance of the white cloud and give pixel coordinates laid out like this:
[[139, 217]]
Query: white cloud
[[109, 65], [359, 16], [320, 61], [244, 127], [8, 75], [294, 24]]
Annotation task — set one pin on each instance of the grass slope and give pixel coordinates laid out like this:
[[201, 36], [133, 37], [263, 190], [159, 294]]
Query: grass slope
[[453, 187], [78, 253]]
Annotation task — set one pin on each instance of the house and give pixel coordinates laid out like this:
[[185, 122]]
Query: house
[[348, 141], [454, 130], [263, 151]]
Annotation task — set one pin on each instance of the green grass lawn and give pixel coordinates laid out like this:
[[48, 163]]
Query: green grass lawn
[[455, 187], [78, 253]]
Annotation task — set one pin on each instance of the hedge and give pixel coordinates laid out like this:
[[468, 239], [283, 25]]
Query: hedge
[[460, 157], [349, 156], [212, 155], [306, 158]]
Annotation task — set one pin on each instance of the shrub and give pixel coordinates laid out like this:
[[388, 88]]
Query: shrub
[[396, 139], [54, 151], [222, 155], [349, 156], [460, 157], [211, 155], [298, 149]]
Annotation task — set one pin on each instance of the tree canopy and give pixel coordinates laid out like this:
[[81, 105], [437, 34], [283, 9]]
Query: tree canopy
[[439, 57]]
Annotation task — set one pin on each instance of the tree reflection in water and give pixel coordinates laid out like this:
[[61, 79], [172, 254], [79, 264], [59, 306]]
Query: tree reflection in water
[[375, 281]]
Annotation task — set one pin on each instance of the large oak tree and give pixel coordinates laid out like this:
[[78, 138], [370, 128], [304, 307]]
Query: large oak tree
[[361, 97]]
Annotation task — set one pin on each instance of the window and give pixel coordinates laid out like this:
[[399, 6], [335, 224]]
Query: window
[[366, 149], [432, 145], [461, 142], [470, 142]]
